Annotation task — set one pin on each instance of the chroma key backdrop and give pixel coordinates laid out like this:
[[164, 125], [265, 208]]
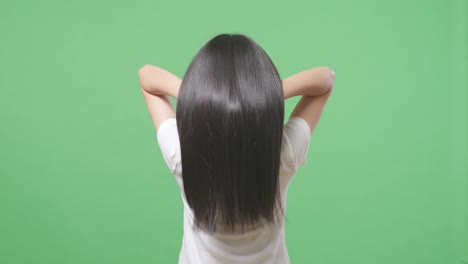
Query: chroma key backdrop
[[82, 178]]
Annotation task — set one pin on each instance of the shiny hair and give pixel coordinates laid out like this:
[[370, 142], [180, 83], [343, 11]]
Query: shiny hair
[[230, 113]]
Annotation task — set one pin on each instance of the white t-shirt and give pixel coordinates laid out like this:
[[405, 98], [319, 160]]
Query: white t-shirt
[[263, 245]]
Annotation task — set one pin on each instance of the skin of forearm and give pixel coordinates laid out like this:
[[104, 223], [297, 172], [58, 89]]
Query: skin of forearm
[[156, 80], [311, 82]]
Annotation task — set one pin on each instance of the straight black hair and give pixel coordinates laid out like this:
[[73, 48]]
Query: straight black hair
[[230, 113]]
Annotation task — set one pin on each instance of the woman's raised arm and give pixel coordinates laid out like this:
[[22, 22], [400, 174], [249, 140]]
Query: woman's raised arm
[[311, 82], [156, 80]]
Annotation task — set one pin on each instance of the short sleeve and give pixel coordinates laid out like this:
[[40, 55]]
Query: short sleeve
[[168, 140], [298, 134]]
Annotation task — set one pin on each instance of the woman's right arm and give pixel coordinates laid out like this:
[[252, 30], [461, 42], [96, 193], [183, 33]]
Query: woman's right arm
[[311, 82], [315, 85]]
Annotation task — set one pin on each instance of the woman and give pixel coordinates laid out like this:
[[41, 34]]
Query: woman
[[228, 149]]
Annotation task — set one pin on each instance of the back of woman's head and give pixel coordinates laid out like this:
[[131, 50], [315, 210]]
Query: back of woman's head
[[230, 113]]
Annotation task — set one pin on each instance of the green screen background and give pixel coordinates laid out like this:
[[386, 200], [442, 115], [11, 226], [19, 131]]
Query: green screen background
[[83, 179]]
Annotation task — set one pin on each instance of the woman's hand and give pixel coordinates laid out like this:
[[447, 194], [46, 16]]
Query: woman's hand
[[156, 80]]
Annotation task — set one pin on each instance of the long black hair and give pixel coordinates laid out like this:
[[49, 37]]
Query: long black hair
[[230, 113]]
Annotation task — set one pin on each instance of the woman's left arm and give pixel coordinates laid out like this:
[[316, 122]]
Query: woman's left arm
[[156, 80], [156, 85]]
